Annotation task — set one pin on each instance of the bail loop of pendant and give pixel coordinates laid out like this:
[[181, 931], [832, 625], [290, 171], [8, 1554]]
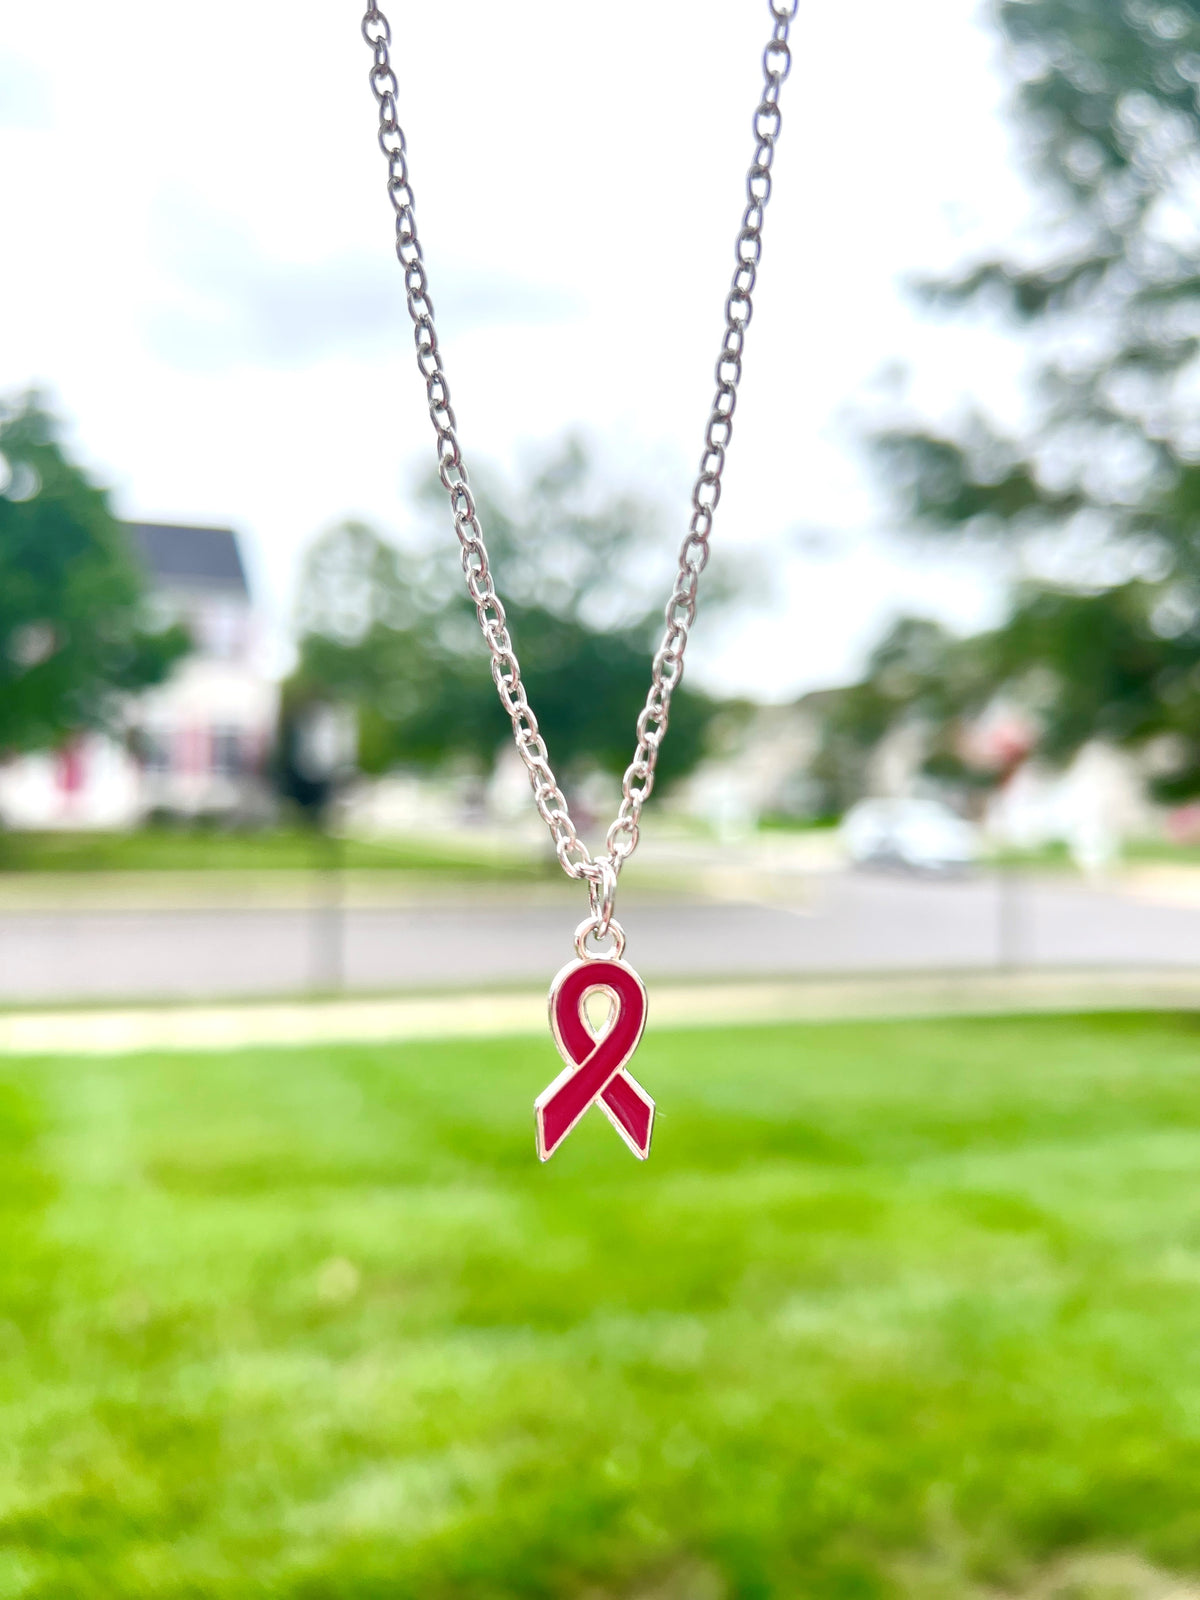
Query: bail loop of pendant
[[602, 892], [591, 926]]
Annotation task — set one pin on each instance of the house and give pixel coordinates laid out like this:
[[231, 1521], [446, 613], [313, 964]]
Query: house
[[1092, 805], [759, 765], [194, 746]]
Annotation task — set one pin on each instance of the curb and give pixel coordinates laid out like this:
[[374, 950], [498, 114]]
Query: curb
[[125, 1030]]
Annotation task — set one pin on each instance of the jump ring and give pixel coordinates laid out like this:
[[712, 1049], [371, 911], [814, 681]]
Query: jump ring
[[591, 925], [601, 892]]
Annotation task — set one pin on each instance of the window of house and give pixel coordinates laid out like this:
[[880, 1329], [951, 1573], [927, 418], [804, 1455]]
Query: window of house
[[226, 748], [154, 747], [220, 628]]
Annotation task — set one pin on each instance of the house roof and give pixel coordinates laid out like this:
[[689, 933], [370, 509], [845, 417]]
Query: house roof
[[190, 558]]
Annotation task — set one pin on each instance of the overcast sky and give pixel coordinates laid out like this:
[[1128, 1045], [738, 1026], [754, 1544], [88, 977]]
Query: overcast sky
[[198, 268]]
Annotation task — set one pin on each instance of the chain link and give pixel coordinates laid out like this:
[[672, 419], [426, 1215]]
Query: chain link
[[667, 666]]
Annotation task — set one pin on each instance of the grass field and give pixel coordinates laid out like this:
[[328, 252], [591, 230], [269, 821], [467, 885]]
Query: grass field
[[285, 849], [894, 1310]]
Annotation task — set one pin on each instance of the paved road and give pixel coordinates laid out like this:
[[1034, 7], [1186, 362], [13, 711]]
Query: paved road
[[848, 923]]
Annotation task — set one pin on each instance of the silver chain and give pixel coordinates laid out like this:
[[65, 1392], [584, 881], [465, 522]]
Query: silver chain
[[667, 667]]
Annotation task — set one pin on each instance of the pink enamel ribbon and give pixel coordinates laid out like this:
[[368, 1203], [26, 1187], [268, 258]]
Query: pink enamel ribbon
[[595, 1072]]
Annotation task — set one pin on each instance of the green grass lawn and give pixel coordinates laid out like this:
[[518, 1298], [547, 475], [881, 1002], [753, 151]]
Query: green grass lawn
[[206, 850], [893, 1310]]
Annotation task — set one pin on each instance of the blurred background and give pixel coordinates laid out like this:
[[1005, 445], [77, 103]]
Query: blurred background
[[938, 750]]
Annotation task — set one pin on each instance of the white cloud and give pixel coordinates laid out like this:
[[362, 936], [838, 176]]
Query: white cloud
[[203, 274], [25, 97], [229, 302]]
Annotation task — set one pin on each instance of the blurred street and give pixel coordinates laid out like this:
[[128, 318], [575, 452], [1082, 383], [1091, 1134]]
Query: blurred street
[[827, 923]]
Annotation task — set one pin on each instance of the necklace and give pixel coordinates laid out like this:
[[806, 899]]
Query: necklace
[[596, 1058]]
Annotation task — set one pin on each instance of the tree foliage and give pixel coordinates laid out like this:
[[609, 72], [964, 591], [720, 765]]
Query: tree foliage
[[74, 627], [393, 632], [1080, 665], [1100, 489]]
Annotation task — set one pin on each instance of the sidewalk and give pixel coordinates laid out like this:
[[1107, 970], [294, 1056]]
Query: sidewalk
[[118, 1031]]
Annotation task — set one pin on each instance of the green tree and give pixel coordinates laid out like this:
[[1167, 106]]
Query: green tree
[[1099, 491], [74, 628], [918, 673], [1081, 666], [395, 634]]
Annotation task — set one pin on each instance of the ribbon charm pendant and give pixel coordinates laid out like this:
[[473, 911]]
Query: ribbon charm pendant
[[596, 1060]]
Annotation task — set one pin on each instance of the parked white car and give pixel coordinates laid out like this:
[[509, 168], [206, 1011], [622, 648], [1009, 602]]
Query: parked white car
[[922, 835]]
